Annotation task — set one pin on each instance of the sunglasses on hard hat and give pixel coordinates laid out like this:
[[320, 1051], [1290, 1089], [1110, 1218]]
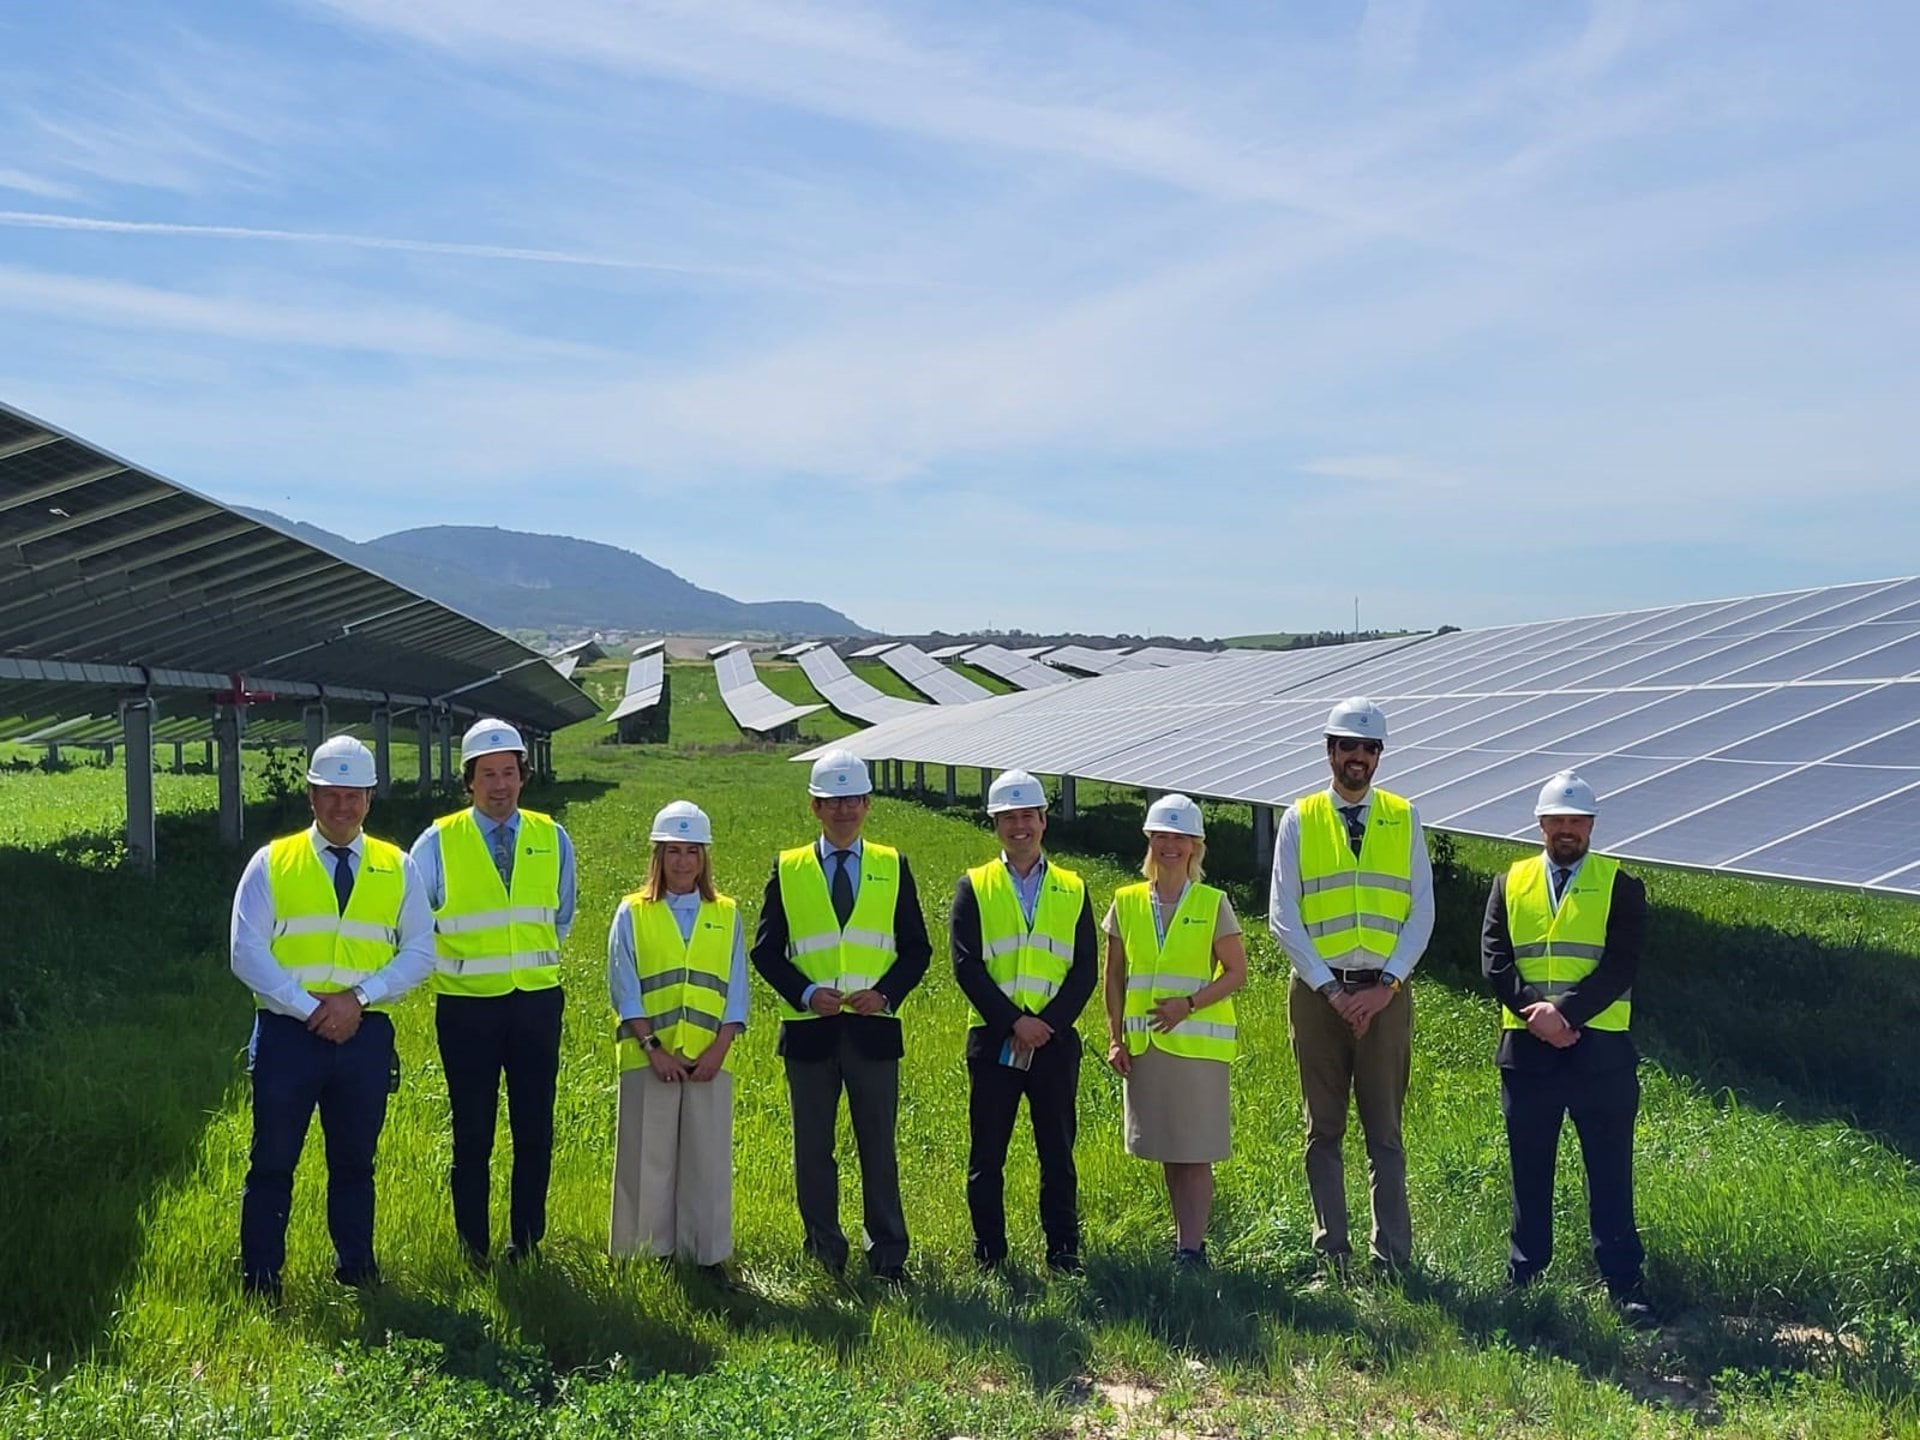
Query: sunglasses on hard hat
[[1347, 744]]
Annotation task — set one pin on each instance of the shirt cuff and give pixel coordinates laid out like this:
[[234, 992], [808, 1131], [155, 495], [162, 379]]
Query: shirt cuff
[[806, 996], [1317, 975]]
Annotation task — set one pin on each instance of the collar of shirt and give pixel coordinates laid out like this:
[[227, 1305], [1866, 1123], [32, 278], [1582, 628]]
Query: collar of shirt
[[1039, 869], [824, 849], [1340, 802], [1153, 894], [684, 902], [488, 824], [320, 842], [1552, 865]]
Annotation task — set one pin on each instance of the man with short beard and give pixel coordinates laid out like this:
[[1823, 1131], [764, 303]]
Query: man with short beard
[[1560, 948]]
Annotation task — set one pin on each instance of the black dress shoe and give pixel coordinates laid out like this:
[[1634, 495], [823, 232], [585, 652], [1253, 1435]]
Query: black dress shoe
[[360, 1278], [1194, 1258], [263, 1288], [894, 1275], [1633, 1307], [1066, 1263]]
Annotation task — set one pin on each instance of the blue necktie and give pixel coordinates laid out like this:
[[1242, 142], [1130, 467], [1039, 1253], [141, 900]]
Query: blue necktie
[[503, 854], [342, 873], [1561, 874]]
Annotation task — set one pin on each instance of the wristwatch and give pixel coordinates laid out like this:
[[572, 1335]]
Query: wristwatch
[[360, 994], [651, 1041], [1392, 982], [1328, 988]]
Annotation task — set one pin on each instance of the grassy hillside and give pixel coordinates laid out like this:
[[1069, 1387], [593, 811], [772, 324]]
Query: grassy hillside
[[1777, 1188]]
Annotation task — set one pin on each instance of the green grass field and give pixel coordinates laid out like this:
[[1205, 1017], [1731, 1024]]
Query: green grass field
[[1777, 1187]]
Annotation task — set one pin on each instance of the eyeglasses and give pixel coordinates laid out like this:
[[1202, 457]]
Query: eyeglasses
[[1347, 744], [840, 802]]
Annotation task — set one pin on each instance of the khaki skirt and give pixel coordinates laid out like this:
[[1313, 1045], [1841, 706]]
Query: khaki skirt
[[1177, 1110]]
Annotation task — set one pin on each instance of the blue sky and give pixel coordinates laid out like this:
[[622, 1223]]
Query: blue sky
[[1190, 318]]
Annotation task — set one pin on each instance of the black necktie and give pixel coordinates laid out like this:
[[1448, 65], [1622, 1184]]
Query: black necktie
[[342, 873], [1561, 874], [842, 888], [1356, 828]]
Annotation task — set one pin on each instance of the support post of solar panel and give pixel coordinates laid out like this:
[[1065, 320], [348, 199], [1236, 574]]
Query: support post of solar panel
[[423, 732], [953, 785], [986, 783], [226, 744], [1069, 799], [383, 752], [443, 724], [919, 777], [314, 721], [179, 757], [1263, 837], [136, 724]]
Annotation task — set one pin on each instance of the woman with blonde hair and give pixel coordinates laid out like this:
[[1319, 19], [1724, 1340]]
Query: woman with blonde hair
[[1174, 960], [677, 976]]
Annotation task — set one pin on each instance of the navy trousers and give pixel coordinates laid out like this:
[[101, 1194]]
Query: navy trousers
[[481, 1037], [993, 1104], [1602, 1106], [295, 1072]]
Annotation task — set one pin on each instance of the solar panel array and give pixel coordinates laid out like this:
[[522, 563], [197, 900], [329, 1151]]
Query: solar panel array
[[1775, 735], [1171, 655], [119, 580], [752, 705], [952, 652], [848, 694], [931, 678], [645, 678], [1017, 670], [873, 651]]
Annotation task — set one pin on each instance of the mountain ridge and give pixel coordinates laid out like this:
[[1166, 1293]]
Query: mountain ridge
[[520, 580]]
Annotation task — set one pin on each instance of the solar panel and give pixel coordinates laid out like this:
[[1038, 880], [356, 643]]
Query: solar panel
[[873, 651], [1032, 652], [1014, 668], [794, 652], [645, 677], [952, 652], [752, 705], [1092, 662], [931, 678], [1773, 735], [848, 694], [1171, 655]]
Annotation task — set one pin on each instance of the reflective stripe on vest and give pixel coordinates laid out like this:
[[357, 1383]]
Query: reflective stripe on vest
[[1180, 966], [684, 982], [315, 944], [851, 959], [1554, 950], [485, 941], [1029, 966], [1354, 908]]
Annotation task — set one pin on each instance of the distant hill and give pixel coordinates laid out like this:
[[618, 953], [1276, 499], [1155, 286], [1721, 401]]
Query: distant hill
[[513, 580]]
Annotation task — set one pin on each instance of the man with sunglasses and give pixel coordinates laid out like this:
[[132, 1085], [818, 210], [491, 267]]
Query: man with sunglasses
[[843, 941], [1352, 908]]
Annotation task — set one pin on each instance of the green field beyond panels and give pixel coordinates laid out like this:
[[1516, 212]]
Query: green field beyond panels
[[1777, 1187]]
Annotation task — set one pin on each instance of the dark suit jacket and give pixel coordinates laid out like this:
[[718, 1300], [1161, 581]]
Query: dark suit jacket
[[970, 973], [875, 1036], [1596, 1049]]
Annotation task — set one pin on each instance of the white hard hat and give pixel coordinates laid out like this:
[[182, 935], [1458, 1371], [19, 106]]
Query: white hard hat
[[682, 820], [1015, 790], [342, 760], [839, 772], [1566, 794], [1359, 718], [489, 737], [1175, 814]]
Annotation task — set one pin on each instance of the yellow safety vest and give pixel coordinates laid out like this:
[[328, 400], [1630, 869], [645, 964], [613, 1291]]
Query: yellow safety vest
[[1180, 966], [485, 941], [314, 942], [1354, 907], [683, 982], [851, 959], [1029, 965], [1554, 950]]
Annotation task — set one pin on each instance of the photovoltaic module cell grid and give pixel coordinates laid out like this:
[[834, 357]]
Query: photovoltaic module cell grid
[[752, 705], [1776, 735], [930, 677], [847, 693], [646, 676], [1016, 669]]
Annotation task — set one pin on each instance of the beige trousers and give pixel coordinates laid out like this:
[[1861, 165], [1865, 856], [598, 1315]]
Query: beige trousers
[[1374, 1072], [673, 1168]]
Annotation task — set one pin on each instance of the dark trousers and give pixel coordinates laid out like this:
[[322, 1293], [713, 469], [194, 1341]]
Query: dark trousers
[[295, 1071], [1603, 1106], [873, 1102], [993, 1104], [480, 1037]]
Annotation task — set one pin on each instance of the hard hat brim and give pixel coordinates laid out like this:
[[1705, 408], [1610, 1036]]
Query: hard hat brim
[[1541, 812]]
